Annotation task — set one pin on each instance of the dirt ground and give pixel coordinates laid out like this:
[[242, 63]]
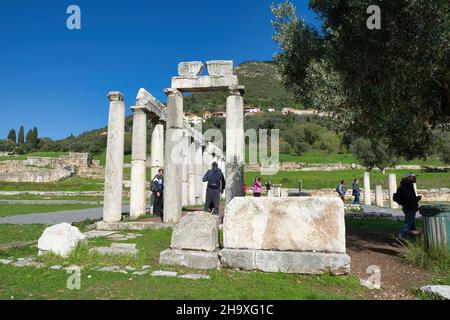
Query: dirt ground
[[397, 277]]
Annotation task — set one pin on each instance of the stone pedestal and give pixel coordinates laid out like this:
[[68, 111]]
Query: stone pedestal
[[138, 164], [112, 207], [379, 196], [367, 198], [173, 157], [234, 168], [286, 261], [392, 190]]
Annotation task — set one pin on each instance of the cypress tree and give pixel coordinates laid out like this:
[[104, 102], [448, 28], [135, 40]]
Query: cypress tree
[[21, 139], [12, 135]]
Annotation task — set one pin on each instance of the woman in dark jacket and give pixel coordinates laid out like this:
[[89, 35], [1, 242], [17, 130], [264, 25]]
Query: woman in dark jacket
[[408, 199]]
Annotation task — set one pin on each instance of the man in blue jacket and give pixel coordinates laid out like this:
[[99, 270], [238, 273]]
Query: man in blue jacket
[[215, 187]]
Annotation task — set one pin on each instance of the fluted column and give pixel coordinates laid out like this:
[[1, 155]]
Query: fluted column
[[112, 204], [157, 148], [379, 195], [173, 157], [138, 164], [392, 189], [234, 169], [367, 199]]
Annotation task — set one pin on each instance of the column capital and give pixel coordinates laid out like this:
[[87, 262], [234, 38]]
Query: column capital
[[115, 96], [172, 91], [236, 90], [138, 109]]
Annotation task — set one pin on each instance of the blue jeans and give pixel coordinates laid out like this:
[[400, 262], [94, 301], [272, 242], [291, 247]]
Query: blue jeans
[[410, 223], [356, 201]]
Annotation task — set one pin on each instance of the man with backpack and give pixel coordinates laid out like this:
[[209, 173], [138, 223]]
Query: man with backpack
[[406, 197], [215, 187], [157, 188]]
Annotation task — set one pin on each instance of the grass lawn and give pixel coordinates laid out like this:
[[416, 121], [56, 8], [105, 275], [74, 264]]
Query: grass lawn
[[38, 197], [330, 179], [15, 209], [74, 184], [31, 283]]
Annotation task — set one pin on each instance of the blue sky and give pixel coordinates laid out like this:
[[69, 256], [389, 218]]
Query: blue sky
[[57, 79]]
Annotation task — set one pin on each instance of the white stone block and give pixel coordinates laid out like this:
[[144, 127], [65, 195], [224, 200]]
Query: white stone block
[[287, 224], [60, 239], [220, 67], [190, 69]]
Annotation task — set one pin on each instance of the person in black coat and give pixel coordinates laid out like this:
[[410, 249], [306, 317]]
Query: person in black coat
[[215, 187], [408, 199]]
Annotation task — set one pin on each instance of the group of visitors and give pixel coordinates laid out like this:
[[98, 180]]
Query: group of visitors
[[257, 187], [405, 196]]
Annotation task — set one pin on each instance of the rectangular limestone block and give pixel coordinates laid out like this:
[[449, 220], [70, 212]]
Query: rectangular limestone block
[[285, 224], [190, 259], [204, 83], [286, 262]]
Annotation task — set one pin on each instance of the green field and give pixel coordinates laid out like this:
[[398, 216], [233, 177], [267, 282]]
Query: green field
[[330, 179], [31, 283], [15, 209]]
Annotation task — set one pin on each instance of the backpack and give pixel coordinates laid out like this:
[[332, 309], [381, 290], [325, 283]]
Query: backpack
[[397, 197], [214, 180], [153, 185]]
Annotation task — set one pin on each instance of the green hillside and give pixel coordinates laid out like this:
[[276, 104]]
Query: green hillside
[[263, 88]]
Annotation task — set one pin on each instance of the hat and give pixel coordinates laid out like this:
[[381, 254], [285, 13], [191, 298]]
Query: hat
[[410, 175]]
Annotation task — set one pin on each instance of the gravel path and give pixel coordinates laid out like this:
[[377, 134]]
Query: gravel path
[[52, 218]]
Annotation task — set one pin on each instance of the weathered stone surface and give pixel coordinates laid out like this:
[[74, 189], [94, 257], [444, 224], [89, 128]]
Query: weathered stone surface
[[288, 224], [194, 276], [140, 273], [190, 69], [285, 261], [190, 259], [118, 249], [60, 239], [117, 269], [56, 267], [442, 292], [27, 262], [220, 67], [204, 83], [196, 231], [161, 273], [97, 234], [117, 226], [6, 261]]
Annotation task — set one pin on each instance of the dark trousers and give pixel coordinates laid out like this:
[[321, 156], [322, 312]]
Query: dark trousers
[[158, 205], [257, 194], [357, 197], [409, 224], [212, 200]]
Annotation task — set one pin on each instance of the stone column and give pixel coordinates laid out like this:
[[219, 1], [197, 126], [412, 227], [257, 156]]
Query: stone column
[[199, 174], [207, 162], [379, 195], [392, 190], [138, 164], [157, 148], [185, 171], [173, 157], [367, 200], [192, 183], [234, 169], [112, 205]]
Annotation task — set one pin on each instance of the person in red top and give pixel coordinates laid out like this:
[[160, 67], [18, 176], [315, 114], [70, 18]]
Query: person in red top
[[245, 188]]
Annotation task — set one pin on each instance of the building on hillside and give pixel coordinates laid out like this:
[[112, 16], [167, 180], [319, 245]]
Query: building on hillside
[[219, 114], [192, 117], [251, 109], [207, 115], [271, 110], [305, 112]]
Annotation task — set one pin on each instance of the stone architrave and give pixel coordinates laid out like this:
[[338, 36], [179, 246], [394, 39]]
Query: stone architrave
[[367, 196], [173, 157], [285, 224], [138, 164], [112, 207], [234, 168]]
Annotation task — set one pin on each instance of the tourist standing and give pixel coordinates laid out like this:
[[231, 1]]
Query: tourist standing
[[356, 191], [245, 189], [157, 189], [257, 187], [268, 185], [215, 187], [406, 197], [341, 190]]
